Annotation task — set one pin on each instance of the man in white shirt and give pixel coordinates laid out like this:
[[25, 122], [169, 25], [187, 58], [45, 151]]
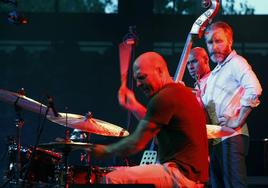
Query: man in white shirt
[[233, 90]]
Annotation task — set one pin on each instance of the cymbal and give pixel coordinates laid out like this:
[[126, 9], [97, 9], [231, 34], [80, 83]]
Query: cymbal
[[23, 102], [88, 124], [216, 131], [50, 153], [65, 146]]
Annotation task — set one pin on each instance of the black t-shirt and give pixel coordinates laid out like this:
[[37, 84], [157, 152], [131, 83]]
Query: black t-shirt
[[182, 137]]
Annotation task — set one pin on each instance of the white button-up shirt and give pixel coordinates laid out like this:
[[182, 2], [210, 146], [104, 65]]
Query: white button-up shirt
[[232, 84]]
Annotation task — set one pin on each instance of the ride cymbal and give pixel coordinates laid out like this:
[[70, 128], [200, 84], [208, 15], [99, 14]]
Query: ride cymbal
[[88, 124]]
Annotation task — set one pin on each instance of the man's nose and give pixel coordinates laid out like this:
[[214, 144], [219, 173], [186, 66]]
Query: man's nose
[[138, 83], [214, 46], [191, 65]]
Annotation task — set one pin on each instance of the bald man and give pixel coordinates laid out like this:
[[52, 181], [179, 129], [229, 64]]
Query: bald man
[[175, 117], [198, 67]]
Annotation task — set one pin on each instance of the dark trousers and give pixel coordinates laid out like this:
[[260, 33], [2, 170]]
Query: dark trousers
[[227, 163]]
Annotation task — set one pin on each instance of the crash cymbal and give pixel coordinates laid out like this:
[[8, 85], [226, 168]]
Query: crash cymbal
[[65, 146], [23, 102], [88, 124], [216, 131]]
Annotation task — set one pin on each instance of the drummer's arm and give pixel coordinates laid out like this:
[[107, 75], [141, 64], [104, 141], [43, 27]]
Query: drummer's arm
[[139, 111], [132, 144], [128, 100]]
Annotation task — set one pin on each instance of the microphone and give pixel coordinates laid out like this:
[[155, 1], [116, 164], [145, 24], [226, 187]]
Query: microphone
[[52, 106]]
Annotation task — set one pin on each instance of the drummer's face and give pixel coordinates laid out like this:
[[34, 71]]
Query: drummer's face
[[147, 78]]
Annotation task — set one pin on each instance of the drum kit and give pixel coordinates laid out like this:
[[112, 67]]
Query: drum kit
[[46, 163]]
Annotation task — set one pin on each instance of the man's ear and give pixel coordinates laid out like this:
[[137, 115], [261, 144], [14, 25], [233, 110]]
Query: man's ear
[[159, 70]]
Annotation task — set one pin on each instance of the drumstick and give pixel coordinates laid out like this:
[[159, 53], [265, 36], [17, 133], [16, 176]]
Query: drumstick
[[125, 55]]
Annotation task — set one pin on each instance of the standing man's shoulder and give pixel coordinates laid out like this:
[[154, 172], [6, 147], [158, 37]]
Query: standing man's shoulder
[[239, 64], [239, 60]]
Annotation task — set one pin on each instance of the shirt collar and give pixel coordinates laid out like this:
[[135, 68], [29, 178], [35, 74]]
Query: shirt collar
[[228, 58]]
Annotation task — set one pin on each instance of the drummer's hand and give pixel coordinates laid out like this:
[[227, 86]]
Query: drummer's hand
[[182, 82], [127, 98], [99, 151]]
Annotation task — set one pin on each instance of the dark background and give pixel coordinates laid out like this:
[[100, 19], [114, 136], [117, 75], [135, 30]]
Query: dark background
[[74, 58]]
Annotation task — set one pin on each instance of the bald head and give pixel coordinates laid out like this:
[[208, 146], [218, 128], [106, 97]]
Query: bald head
[[151, 59], [198, 63], [151, 72], [199, 52]]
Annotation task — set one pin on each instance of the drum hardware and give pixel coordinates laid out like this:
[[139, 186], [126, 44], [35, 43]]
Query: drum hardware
[[63, 171], [43, 166], [86, 123], [81, 136], [14, 150], [24, 102], [20, 101], [42, 170], [49, 110]]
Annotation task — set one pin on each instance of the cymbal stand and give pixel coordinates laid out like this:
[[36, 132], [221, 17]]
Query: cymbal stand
[[17, 167], [88, 153], [87, 140], [66, 153], [66, 167], [19, 122]]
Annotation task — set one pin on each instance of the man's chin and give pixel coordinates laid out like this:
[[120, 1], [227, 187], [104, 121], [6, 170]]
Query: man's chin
[[217, 59], [148, 93], [193, 75]]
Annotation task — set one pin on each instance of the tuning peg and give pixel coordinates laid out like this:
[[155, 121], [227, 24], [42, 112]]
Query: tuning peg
[[206, 3]]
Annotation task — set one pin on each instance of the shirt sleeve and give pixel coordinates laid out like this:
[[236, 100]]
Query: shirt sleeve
[[244, 75], [160, 109]]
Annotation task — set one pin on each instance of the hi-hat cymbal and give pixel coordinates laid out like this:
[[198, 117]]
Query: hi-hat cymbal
[[65, 146], [23, 102], [216, 131], [88, 124]]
